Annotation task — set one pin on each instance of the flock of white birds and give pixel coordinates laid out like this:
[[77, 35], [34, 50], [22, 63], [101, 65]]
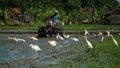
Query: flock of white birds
[[65, 37], [34, 47]]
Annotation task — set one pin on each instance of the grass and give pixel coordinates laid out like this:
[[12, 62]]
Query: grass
[[91, 26], [21, 26], [104, 55], [35, 25]]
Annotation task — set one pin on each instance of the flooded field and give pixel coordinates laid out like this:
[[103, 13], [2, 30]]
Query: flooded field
[[21, 55]]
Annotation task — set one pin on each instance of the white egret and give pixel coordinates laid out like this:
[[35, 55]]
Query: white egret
[[35, 47], [74, 39], [88, 42], [108, 33], [13, 39], [32, 38], [101, 35], [116, 43], [86, 32], [59, 37], [52, 42], [102, 38], [66, 36], [19, 39]]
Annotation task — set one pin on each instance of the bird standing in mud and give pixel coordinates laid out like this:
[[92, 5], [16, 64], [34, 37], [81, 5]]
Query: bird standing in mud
[[86, 32], [108, 33], [35, 47], [59, 37], [100, 34], [116, 43], [19, 39], [32, 38], [13, 39], [88, 42], [66, 36], [16, 39], [74, 39], [52, 42]]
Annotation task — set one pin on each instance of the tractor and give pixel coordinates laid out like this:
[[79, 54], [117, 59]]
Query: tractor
[[49, 31]]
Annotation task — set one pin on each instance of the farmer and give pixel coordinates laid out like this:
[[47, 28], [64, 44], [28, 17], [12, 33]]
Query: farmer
[[55, 18]]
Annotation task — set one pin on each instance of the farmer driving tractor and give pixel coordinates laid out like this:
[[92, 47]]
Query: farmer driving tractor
[[55, 18], [51, 27]]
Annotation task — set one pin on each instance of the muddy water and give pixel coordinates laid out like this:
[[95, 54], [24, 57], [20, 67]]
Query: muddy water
[[20, 55]]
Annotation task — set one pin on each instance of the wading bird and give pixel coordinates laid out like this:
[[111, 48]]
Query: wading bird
[[100, 34], [32, 38], [86, 32], [102, 38], [108, 33], [35, 47], [88, 42], [66, 36], [116, 43], [74, 39], [52, 42], [19, 39], [13, 39], [59, 37]]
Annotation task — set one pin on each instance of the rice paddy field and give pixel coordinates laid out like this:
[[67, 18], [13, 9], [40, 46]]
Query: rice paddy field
[[66, 54]]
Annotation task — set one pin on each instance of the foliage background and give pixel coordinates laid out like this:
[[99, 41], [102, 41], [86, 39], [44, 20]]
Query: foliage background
[[42, 9]]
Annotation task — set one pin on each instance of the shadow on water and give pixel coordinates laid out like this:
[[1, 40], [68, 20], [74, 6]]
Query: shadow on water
[[20, 55]]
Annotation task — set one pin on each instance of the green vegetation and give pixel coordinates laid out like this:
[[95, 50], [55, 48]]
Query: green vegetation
[[24, 26], [68, 9], [91, 26], [104, 55]]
